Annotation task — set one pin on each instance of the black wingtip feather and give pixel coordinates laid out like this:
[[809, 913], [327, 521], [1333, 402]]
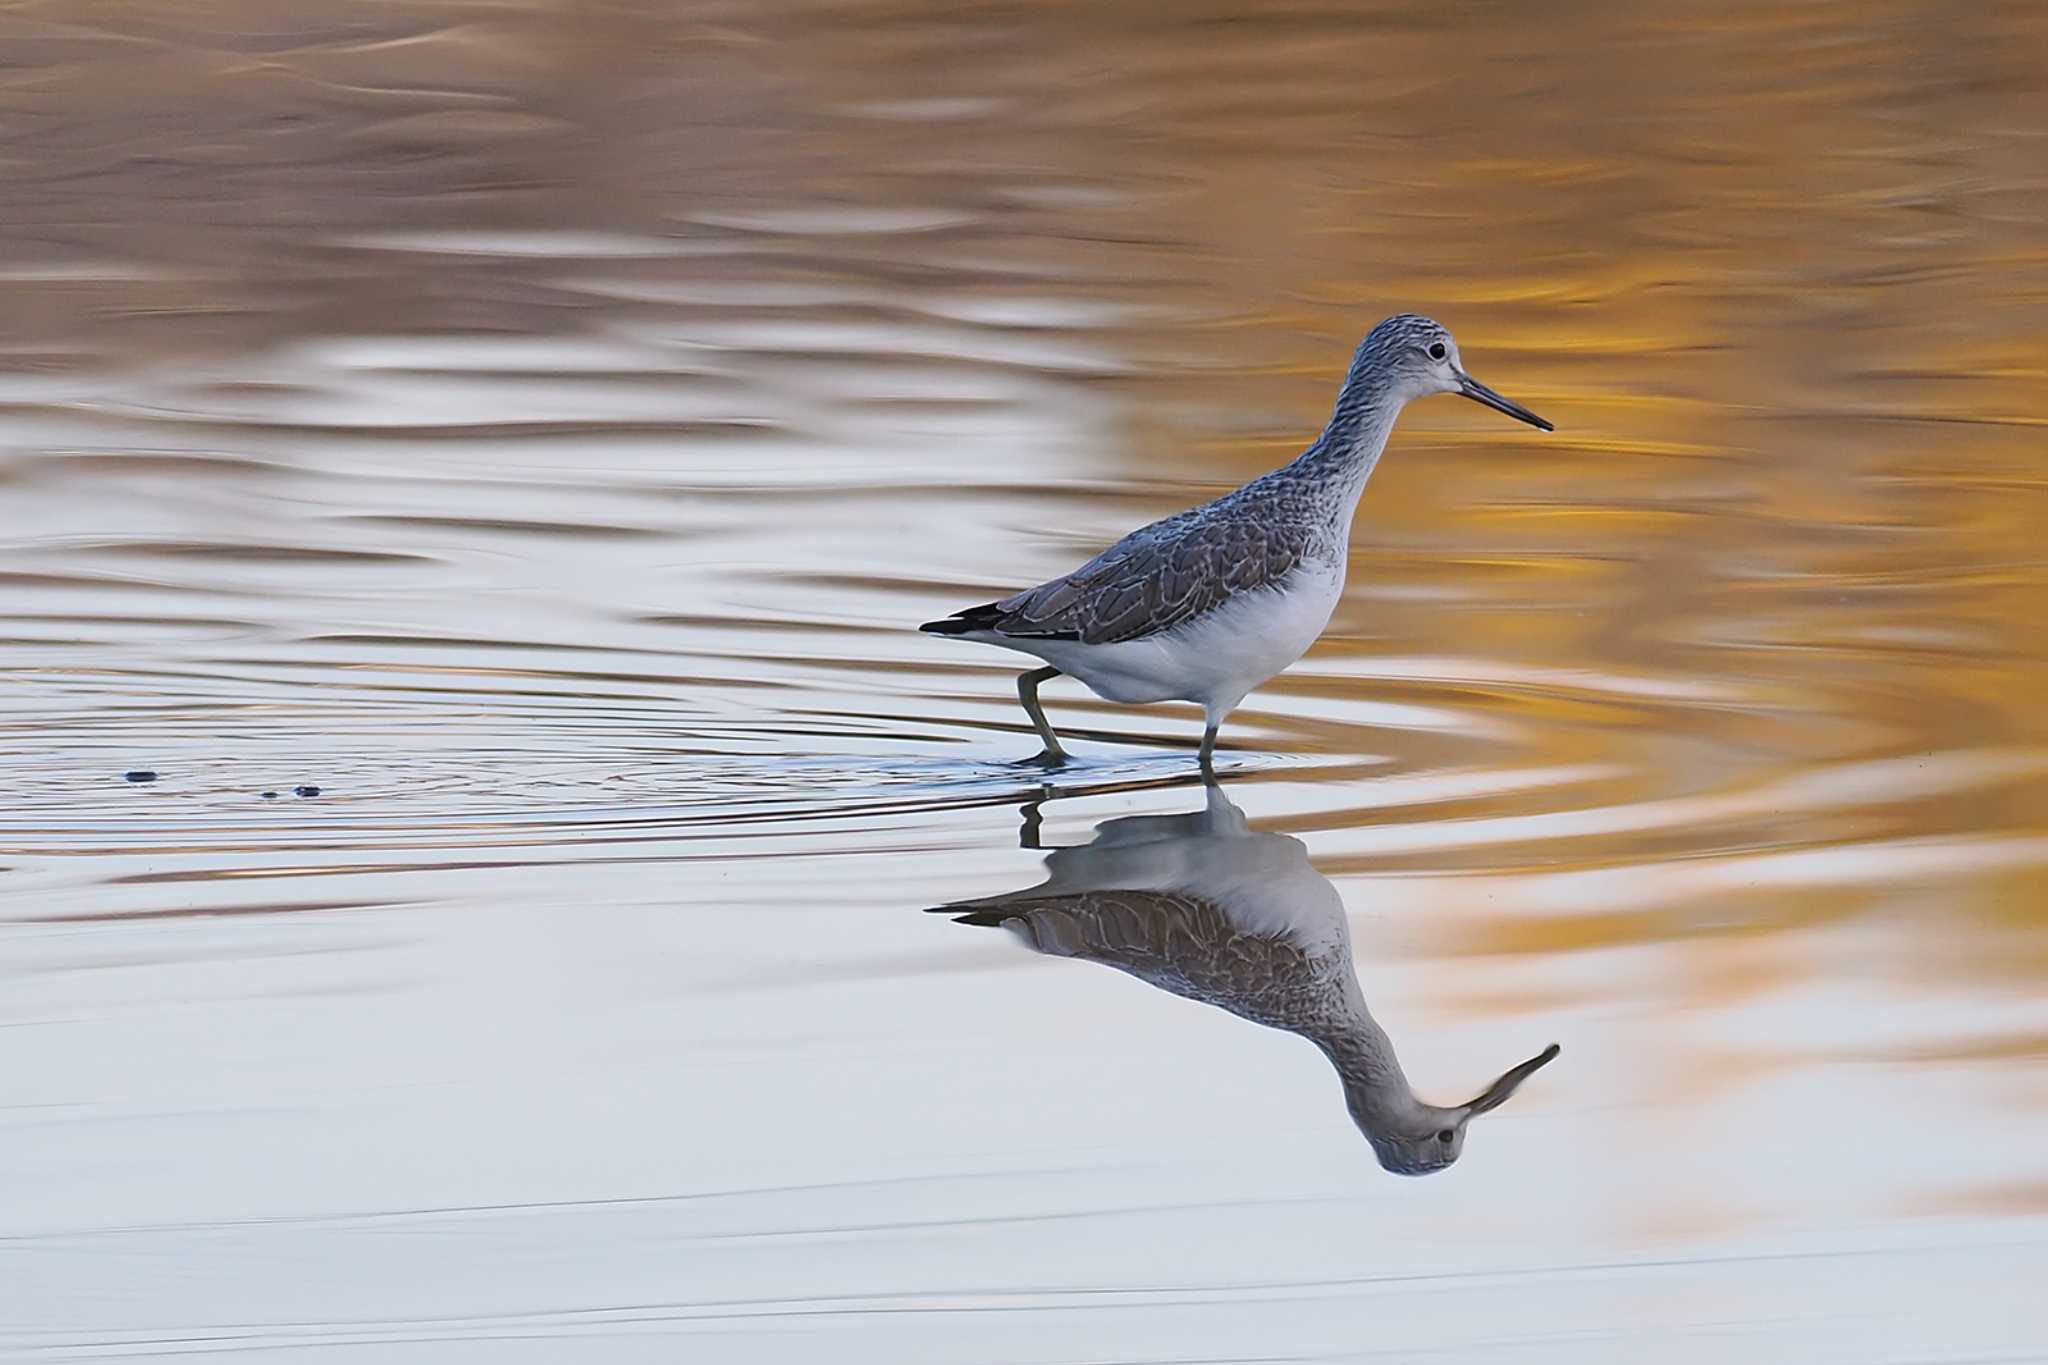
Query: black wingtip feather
[[990, 616], [983, 617], [969, 914]]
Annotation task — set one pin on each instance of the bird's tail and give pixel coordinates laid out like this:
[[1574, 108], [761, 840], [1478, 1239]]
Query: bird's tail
[[983, 617], [967, 912]]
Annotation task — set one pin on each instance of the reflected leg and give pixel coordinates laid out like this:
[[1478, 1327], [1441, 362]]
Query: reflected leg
[[1030, 832]]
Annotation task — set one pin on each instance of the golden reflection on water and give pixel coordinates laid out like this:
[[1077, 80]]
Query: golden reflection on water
[[542, 424]]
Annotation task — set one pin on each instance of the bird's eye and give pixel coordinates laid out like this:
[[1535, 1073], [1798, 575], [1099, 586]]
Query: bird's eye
[[1443, 1135], [1436, 350]]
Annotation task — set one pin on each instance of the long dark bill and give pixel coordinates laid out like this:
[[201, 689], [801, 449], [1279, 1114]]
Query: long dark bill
[[1479, 393], [1496, 1095]]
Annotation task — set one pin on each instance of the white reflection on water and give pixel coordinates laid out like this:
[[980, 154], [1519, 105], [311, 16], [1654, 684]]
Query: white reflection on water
[[1198, 904]]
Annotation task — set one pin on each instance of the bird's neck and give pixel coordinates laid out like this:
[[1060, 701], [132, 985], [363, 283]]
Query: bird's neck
[[1375, 1087], [1344, 456]]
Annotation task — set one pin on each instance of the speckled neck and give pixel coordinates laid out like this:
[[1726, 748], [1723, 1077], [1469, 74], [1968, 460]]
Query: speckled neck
[[1344, 456], [1376, 1090], [1321, 486]]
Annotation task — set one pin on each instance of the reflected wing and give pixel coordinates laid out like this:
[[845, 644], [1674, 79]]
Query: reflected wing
[[1178, 942], [1152, 580]]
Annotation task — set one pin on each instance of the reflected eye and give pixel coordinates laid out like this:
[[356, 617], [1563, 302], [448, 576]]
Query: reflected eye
[[1443, 1135], [1436, 352]]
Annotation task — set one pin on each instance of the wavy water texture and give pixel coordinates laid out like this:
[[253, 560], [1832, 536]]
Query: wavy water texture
[[540, 426]]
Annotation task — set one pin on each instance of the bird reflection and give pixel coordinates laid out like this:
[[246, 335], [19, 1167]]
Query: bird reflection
[[1202, 905]]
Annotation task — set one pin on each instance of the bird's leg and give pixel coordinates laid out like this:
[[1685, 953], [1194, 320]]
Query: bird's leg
[[1027, 693], [1209, 749]]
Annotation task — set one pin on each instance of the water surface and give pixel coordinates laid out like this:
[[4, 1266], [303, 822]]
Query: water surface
[[541, 427]]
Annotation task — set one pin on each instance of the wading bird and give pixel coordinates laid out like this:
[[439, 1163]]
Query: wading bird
[[1206, 605]]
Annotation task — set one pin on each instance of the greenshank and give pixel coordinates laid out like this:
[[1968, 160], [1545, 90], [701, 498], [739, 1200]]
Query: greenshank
[[1206, 605], [1205, 907]]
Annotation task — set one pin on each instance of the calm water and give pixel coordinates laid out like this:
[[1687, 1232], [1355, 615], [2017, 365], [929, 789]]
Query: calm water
[[540, 426]]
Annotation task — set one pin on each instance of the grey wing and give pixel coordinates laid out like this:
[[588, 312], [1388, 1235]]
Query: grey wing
[[1177, 941], [1156, 578]]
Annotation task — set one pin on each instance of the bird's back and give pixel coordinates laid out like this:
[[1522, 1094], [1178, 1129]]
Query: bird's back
[[1172, 571], [1187, 944]]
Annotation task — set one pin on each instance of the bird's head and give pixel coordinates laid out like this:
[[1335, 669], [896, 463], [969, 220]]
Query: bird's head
[[1415, 356], [1414, 1138]]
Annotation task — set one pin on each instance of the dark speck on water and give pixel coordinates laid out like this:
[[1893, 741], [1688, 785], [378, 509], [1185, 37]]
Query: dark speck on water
[[305, 791], [268, 796], [140, 775]]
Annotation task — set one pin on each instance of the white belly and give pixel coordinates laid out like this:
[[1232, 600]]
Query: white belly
[[1214, 659]]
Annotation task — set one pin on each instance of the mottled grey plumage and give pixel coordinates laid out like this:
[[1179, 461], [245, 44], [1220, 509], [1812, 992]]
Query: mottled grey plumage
[[1184, 943], [1205, 605], [1166, 574]]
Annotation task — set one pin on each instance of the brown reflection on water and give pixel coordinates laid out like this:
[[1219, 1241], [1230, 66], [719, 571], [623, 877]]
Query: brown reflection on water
[[540, 424]]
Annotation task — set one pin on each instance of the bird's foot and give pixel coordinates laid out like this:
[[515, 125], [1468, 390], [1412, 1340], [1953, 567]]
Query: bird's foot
[[1044, 758]]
